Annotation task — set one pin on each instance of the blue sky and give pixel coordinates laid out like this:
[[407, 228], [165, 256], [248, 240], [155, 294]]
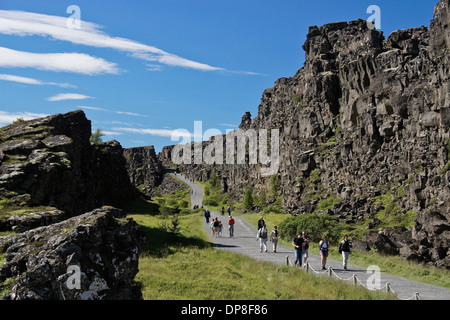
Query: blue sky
[[140, 69]]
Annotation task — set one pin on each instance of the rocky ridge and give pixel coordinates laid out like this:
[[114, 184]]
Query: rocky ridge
[[51, 178], [364, 136]]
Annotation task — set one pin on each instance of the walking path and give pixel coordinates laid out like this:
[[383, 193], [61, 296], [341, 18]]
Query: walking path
[[244, 242]]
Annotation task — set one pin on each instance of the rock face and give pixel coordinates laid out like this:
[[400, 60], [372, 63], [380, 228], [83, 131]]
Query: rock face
[[93, 256], [50, 162], [144, 168], [364, 126], [50, 176]]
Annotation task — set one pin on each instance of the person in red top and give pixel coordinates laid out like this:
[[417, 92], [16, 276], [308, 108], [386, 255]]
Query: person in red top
[[231, 226]]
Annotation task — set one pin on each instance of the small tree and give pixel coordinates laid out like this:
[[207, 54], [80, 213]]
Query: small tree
[[275, 183], [96, 136], [248, 198], [262, 198]]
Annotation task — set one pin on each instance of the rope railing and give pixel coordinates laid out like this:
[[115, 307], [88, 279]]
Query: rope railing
[[354, 278]]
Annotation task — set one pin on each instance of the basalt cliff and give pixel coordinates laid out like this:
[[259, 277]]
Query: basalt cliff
[[363, 136]]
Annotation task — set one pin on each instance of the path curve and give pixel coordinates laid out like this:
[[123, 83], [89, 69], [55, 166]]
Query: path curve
[[244, 242]]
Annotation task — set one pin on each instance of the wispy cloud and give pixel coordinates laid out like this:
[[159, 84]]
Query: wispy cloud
[[68, 96], [26, 80], [10, 117], [28, 23], [113, 111], [228, 125], [111, 133], [157, 132], [60, 62]]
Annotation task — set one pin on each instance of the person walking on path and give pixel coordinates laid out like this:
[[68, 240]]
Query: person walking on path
[[222, 211], [231, 226], [305, 247], [324, 245], [298, 246], [274, 237], [212, 228], [229, 211], [216, 223], [344, 248], [262, 237], [207, 215], [261, 223]]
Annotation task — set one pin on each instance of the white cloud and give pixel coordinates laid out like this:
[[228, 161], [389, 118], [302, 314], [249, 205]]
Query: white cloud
[[60, 62], [228, 125], [68, 96], [28, 23], [26, 80], [157, 132], [114, 111], [111, 133], [10, 117]]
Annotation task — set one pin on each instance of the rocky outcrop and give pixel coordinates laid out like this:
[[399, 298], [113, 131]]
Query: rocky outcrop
[[50, 176], [364, 134], [93, 256], [144, 169], [50, 162]]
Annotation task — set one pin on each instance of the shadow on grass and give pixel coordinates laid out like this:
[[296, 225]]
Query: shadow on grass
[[140, 206], [161, 243]]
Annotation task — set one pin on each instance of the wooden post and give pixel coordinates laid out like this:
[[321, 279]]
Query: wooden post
[[354, 279], [287, 260], [329, 271], [388, 287], [307, 267], [417, 295]]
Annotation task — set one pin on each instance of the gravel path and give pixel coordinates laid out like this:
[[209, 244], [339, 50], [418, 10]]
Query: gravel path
[[244, 242]]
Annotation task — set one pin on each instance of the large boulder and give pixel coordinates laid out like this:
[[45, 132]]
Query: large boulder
[[93, 256]]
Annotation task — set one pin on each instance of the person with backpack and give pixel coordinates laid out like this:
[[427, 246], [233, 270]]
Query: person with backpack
[[229, 210], [298, 246], [262, 237], [231, 226], [261, 223], [344, 248], [274, 237], [305, 247], [324, 246], [222, 211]]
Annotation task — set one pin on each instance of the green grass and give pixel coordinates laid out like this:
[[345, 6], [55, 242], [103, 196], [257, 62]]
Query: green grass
[[186, 266]]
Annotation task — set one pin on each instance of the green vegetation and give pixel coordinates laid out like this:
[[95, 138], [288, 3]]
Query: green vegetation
[[327, 203], [274, 185], [445, 169], [248, 198], [315, 226], [185, 266], [295, 98], [96, 136]]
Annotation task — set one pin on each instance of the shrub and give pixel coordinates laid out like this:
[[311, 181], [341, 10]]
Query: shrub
[[315, 227], [248, 198], [96, 136], [183, 204]]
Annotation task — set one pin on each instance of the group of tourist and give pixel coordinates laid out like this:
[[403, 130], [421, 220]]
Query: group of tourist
[[217, 226], [300, 242], [301, 245]]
